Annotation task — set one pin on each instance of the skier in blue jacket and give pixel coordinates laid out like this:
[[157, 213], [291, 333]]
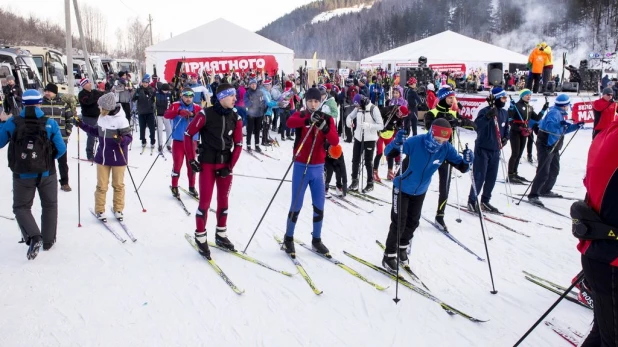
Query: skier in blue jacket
[[549, 142], [492, 129], [424, 155]]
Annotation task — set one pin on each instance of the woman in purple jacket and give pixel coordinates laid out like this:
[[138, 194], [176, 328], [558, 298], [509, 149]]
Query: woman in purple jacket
[[114, 135]]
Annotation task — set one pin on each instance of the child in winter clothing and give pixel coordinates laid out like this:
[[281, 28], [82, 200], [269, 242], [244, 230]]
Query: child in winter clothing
[[112, 153], [393, 122]]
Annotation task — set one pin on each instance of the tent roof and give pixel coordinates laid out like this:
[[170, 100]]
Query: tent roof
[[220, 36], [449, 46]]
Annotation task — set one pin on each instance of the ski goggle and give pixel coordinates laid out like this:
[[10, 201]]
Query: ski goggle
[[187, 93]]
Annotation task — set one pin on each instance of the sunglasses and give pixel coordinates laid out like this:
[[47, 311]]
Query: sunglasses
[[188, 94]]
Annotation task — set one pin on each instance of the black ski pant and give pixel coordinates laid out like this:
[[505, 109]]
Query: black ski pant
[[547, 170], [349, 135], [518, 144], [485, 171], [276, 113], [412, 123], [283, 128], [63, 167], [126, 107], [546, 77], [530, 143], [338, 167], [147, 120], [410, 207], [444, 185], [254, 125], [603, 281], [533, 83], [367, 148], [265, 130], [92, 121], [24, 190]]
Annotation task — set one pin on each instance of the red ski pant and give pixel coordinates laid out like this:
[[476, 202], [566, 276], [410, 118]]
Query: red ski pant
[[380, 146], [208, 178], [178, 155]]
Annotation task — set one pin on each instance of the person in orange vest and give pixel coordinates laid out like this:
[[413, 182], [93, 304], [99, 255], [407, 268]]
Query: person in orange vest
[[536, 62]]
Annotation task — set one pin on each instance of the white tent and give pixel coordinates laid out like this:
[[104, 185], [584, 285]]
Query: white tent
[[445, 51], [218, 46]]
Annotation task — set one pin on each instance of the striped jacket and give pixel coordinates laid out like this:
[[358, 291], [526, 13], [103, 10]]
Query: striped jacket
[[59, 111]]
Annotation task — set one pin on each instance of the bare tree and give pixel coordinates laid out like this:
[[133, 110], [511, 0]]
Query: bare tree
[[94, 24]]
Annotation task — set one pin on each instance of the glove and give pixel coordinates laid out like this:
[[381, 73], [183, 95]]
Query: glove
[[400, 138], [185, 113], [564, 123], [78, 121], [317, 117], [493, 112], [545, 107], [324, 125], [504, 141], [468, 156], [195, 166], [580, 124], [118, 139], [222, 172], [455, 122]]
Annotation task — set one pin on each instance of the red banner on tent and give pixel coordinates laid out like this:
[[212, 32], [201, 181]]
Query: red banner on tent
[[471, 107], [448, 67], [222, 64], [582, 112]]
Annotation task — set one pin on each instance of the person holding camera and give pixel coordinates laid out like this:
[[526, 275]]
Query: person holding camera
[[219, 129], [594, 223], [181, 113], [12, 97]]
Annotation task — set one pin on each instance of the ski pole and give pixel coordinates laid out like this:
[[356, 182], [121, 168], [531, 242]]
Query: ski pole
[[79, 203], [566, 292], [300, 147], [481, 218], [263, 178], [457, 186], [396, 299], [130, 175], [155, 160], [567, 145], [507, 186]]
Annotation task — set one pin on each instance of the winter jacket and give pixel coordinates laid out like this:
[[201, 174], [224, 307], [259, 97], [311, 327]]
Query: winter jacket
[[109, 152], [300, 121], [12, 99], [270, 103], [550, 129], [399, 101], [162, 102], [371, 114], [200, 93], [451, 116], [520, 114], [53, 133], [350, 93], [604, 114], [329, 106], [376, 94], [432, 99], [364, 90], [240, 100], [275, 93], [255, 103], [413, 99], [180, 123], [123, 90], [549, 58], [601, 180], [420, 165], [487, 137], [537, 58], [59, 111], [144, 98], [88, 102]]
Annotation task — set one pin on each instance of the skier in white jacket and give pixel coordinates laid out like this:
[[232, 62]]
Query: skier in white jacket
[[368, 123]]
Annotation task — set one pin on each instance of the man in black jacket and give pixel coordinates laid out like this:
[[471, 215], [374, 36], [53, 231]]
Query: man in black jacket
[[144, 95], [414, 100], [88, 99], [12, 97]]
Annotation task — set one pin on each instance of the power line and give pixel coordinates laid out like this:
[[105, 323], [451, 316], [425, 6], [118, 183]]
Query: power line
[[127, 6]]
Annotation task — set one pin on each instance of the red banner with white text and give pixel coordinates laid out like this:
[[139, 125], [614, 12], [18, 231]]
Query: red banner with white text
[[471, 107], [222, 65], [582, 112]]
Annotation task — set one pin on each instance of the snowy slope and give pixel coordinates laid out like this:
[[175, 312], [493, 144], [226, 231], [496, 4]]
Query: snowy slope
[[90, 290], [326, 16]]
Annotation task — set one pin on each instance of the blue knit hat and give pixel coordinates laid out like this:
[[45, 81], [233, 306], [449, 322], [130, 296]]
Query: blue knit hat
[[445, 91], [562, 100], [524, 92], [31, 97], [253, 80], [498, 92]]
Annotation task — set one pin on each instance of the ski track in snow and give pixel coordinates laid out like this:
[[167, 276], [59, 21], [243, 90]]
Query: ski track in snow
[[91, 290]]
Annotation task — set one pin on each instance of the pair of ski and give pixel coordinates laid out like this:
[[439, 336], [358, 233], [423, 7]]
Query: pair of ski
[[241, 255], [329, 258], [554, 288], [509, 217], [565, 331], [92, 162], [452, 238], [195, 198], [252, 153], [337, 201], [113, 231], [555, 197], [465, 209], [364, 197], [539, 206], [448, 308], [144, 149]]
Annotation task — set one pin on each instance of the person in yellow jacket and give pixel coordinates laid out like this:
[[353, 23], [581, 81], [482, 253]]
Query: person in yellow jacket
[[549, 64], [536, 61]]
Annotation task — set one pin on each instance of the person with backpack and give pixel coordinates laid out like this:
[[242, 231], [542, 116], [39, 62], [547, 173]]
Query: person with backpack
[[55, 108], [34, 142], [115, 135], [369, 122]]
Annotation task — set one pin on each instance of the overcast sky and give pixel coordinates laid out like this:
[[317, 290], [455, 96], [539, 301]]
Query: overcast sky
[[173, 17]]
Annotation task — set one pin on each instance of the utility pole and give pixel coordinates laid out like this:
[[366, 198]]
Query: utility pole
[[89, 68], [150, 25], [69, 45]]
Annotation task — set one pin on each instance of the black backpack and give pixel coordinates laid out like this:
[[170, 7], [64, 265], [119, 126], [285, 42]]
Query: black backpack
[[30, 150]]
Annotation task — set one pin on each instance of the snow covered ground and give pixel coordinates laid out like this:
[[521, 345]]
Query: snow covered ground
[[91, 290], [326, 16]]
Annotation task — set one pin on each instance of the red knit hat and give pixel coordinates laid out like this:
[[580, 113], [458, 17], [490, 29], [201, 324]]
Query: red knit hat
[[289, 84], [328, 86], [404, 111], [412, 80], [267, 81]]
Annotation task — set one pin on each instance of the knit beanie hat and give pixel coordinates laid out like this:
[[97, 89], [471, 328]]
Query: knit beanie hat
[[498, 92], [107, 102], [289, 84], [313, 94], [445, 92], [441, 128], [562, 100], [83, 82], [50, 87], [524, 92], [608, 91], [31, 97], [431, 87]]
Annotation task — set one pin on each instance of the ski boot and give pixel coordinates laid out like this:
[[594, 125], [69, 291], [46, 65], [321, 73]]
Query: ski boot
[[390, 175], [202, 244], [472, 206], [249, 148], [35, 244], [101, 216], [584, 292], [288, 246], [376, 176], [440, 222], [290, 138], [551, 194], [530, 158], [48, 245], [318, 246], [194, 193], [354, 185], [169, 148], [221, 239], [339, 192], [389, 262], [523, 179], [175, 192], [119, 216], [486, 206], [368, 188], [160, 149], [327, 193], [65, 188], [403, 255], [513, 178], [535, 201], [258, 149]]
